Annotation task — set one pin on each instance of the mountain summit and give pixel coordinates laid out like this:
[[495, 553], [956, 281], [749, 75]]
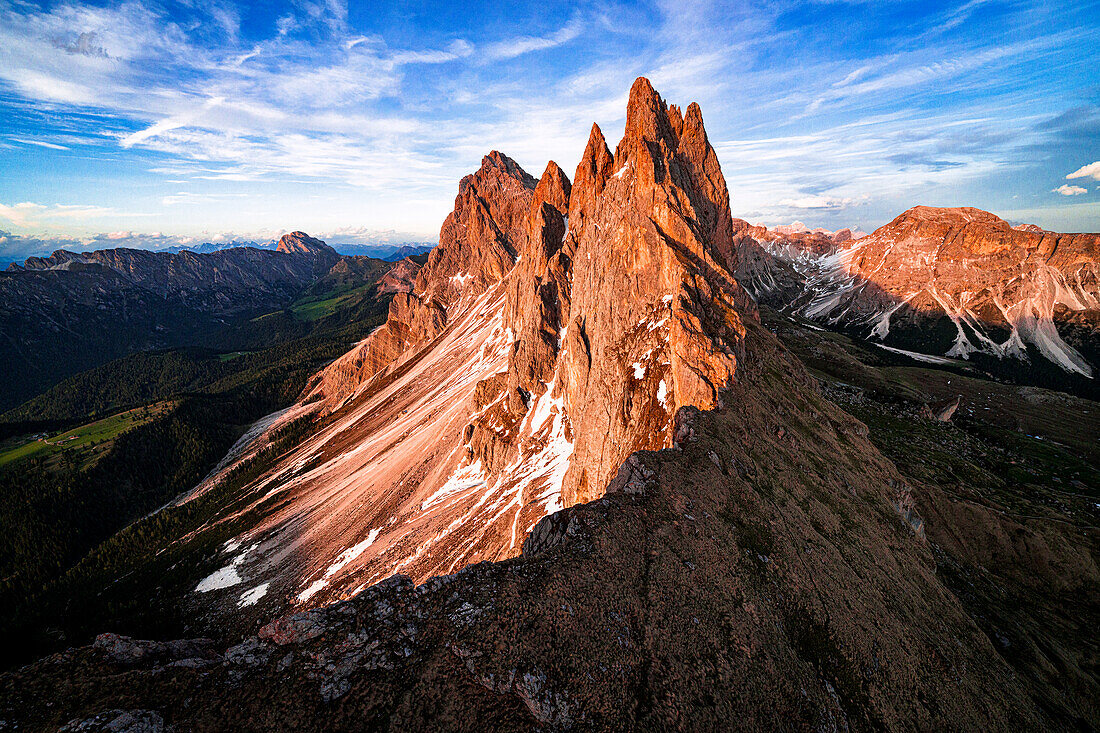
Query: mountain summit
[[302, 243], [556, 329]]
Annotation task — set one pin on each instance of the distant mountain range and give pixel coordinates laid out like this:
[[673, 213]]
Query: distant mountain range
[[953, 285], [387, 252], [72, 311]]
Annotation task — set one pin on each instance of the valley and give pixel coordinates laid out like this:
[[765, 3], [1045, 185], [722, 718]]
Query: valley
[[126, 437]]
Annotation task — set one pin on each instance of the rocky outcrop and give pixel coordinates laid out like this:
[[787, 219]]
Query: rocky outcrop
[[477, 248], [556, 329], [401, 278], [657, 312], [303, 244], [942, 410], [627, 309]]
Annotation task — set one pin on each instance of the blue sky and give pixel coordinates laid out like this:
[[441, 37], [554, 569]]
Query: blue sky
[[151, 123]]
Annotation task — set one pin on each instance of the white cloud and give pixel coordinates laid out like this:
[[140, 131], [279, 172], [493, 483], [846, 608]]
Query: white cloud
[[40, 143], [170, 123], [1070, 190], [28, 214], [186, 197], [1092, 169], [854, 76], [817, 202], [513, 47], [383, 138]]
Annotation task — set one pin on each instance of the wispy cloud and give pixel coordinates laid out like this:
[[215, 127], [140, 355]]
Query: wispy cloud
[[321, 119], [171, 123], [39, 143], [187, 197], [513, 47], [30, 214], [817, 203]]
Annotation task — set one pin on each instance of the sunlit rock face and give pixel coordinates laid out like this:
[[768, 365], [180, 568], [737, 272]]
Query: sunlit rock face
[[946, 282], [556, 329]]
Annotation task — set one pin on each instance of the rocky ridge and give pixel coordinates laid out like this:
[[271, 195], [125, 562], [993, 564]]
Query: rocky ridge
[[770, 568], [72, 311], [957, 283]]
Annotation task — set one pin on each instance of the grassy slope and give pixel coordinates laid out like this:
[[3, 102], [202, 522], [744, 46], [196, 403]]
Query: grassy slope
[[87, 441], [1009, 490]]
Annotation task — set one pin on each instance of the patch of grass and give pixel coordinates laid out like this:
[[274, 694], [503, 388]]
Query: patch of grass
[[87, 441], [318, 306]]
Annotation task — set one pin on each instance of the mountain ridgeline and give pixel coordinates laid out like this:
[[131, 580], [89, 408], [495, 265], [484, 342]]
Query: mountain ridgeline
[[576, 481], [69, 312], [954, 284]]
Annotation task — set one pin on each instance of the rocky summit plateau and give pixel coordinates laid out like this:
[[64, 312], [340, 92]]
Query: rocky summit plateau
[[608, 458]]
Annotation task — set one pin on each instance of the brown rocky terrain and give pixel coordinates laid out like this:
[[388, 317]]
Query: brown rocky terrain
[[682, 531], [555, 330], [770, 568]]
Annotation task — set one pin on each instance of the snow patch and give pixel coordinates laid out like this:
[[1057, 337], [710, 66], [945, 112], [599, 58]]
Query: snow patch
[[311, 591], [224, 578], [228, 576], [662, 394], [882, 328], [927, 358], [464, 479], [251, 597], [544, 406], [341, 561], [639, 370]]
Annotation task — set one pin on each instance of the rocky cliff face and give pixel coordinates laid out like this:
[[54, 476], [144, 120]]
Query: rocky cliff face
[[303, 244], [953, 283], [760, 572], [556, 329]]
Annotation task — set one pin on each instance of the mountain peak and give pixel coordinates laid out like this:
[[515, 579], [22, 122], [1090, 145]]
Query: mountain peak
[[955, 215], [302, 243], [498, 161], [595, 168], [647, 121], [554, 188], [646, 113]]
